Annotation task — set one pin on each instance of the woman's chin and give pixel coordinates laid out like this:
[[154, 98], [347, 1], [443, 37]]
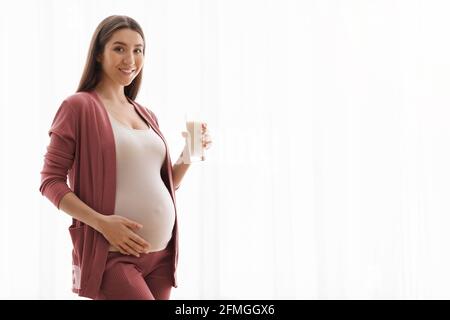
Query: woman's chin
[[124, 83]]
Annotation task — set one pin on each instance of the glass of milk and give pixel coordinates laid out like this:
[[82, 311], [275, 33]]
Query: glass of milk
[[194, 129]]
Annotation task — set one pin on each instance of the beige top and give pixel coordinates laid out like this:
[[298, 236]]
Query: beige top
[[141, 194]]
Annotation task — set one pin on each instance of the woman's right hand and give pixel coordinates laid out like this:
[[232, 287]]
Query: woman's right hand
[[119, 232]]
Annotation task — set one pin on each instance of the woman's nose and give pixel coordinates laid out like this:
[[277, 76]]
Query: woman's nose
[[129, 59]]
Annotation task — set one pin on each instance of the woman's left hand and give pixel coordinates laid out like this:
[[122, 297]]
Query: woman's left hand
[[206, 144], [206, 138]]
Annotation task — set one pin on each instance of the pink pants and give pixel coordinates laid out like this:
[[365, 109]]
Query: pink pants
[[148, 277]]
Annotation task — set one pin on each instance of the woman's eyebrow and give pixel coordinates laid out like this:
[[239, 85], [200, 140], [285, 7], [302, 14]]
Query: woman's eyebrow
[[124, 44]]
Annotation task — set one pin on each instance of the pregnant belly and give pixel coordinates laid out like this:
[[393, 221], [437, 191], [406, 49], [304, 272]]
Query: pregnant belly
[[157, 222]]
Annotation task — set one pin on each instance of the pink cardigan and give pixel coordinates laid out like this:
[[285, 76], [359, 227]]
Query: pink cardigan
[[82, 146]]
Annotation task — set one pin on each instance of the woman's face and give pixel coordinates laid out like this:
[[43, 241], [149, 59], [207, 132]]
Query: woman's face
[[123, 57]]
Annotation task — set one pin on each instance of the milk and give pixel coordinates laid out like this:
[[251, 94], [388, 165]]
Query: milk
[[194, 129]]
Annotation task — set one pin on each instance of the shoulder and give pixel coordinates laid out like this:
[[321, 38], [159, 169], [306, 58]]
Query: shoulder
[[79, 99], [148, 111], [79, 102], [68, 115]]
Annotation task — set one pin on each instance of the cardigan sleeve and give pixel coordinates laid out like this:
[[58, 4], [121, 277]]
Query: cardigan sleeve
[[60, 155]]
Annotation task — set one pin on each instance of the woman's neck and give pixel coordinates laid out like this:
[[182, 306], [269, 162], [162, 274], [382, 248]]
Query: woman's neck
[[115, 95]]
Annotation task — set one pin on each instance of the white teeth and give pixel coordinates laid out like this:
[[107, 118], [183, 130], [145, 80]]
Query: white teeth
[[126, 71]]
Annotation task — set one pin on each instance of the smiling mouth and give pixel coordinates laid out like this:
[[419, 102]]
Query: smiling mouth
[[127, 71]]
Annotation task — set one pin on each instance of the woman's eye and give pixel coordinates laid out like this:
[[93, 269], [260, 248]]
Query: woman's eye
[[119, 49]]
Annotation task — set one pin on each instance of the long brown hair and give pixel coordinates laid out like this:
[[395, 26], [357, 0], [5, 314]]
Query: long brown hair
[[92, 69]]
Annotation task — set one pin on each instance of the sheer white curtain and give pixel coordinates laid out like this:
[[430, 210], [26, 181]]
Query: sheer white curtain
[[328, 176]]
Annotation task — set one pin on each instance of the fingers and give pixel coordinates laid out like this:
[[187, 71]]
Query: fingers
[[130, 249], [206, 138], [133, 224], [136, 243], [122, 251], [142, 245], [207, 145]]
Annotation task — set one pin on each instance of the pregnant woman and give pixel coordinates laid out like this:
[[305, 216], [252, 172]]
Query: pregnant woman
[[122, 181]]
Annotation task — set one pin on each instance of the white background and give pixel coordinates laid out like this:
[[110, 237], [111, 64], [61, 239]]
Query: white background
[[328, 177]]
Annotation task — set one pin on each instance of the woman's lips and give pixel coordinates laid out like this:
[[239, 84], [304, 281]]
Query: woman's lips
[[127, 72]]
